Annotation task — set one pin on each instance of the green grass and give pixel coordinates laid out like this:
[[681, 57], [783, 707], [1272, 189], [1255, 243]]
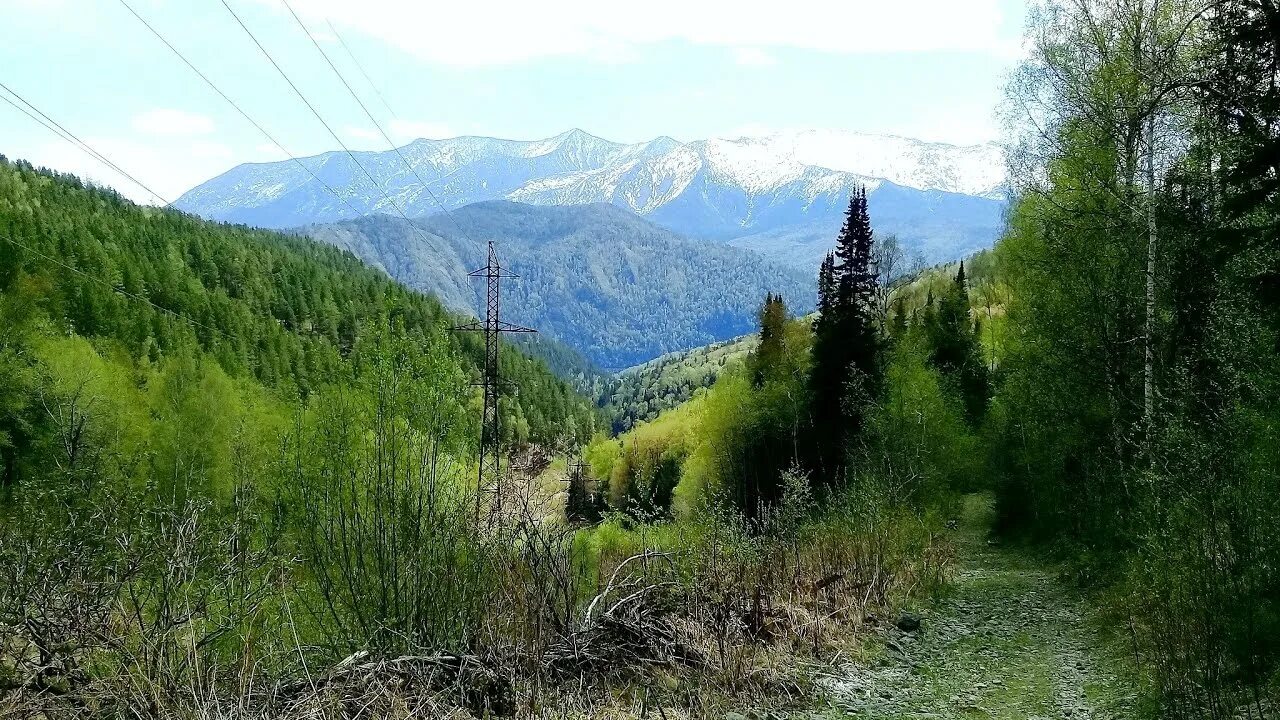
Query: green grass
[[1006, 641]]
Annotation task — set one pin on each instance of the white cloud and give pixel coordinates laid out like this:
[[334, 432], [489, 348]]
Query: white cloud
[[362, 134], [268, 152], [406, 130], [149, 161], [479, 34], [753, 57], [166, 121]]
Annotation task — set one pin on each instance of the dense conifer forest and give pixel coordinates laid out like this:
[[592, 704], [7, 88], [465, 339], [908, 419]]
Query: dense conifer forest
[[276, 311]]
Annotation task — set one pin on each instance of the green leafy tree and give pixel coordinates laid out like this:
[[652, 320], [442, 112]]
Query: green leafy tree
[[1135, 419]]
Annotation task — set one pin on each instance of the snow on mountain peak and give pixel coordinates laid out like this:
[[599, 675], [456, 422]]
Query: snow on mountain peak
[[965, 169], [580, 148], [751, 162], [713, 188]]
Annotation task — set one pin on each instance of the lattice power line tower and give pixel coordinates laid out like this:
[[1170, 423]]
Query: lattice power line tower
[[489, 482]]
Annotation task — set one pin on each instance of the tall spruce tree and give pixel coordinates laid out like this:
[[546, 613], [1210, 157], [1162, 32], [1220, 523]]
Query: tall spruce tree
[[773, 321], [826, 286], [955, 349], [898, 325], [847, 349], [580, 502], [766, 439]]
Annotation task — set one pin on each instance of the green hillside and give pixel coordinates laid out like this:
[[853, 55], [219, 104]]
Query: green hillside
[[144, 291], [644, 391], [618, 288]]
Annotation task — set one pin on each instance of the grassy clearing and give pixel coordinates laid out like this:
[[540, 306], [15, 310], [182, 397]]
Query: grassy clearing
[[1007, 640]]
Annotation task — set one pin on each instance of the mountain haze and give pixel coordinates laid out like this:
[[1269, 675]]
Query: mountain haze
[[616, 287], [777, 194]]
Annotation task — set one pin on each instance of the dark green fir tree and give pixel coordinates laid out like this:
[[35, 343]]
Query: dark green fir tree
[[955, 349], [846, 370]]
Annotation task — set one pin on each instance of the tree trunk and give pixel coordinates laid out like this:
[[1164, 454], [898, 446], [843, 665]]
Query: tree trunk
[[1148, 375], [1148, 398], [8, 470]]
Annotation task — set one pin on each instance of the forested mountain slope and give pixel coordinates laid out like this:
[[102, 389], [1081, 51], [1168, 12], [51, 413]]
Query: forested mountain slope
[[616, 287], [147, 287], [644, 391]]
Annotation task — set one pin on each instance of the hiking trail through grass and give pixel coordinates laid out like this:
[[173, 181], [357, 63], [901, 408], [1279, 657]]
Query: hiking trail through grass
[[1007, 640]]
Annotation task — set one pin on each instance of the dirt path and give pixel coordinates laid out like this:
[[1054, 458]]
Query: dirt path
[[1008, 641]]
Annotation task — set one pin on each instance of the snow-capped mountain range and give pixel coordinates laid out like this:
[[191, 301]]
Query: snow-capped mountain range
[[782, 194]]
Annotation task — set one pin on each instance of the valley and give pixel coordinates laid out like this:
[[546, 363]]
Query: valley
[[619, 289], [910, 360]]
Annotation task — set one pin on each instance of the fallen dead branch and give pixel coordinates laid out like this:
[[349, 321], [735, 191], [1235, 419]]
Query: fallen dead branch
[[632, 630], [433, 681]]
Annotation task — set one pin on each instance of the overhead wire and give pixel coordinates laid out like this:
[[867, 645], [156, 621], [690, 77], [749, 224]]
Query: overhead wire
[[355, 96], [58, 129], [38, 116], [355, 61], [305, 101], [44, 124], [249, 118]]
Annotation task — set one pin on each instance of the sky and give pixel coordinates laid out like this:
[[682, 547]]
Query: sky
[[629, 72]]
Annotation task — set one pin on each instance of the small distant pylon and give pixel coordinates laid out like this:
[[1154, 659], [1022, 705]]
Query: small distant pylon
[[489, 479]]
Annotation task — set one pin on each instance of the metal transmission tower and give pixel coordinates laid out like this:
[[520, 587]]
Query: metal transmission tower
[[489, 481]]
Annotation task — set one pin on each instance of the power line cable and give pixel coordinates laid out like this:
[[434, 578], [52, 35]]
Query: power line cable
[[302, 96], [49, 124], [360, 67], [57, 129], [238, 108], [425, 186], [114, 288], [40, 122], [43, 124], [270, 138]]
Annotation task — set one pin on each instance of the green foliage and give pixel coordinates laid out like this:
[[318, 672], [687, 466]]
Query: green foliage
[[740, 442], [286, 462], [920, 441], [642, 467], [956, 350], [1133, 429], [755, 417], [582, 501], [276, 308], [382, 503], [259, 493], [642, 392]]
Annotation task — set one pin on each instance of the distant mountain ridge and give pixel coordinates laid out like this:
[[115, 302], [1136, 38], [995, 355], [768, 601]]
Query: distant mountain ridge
[[782, 191], [619, 289]]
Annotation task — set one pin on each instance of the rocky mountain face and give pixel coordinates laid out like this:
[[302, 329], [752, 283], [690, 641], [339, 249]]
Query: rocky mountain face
[[783, 195]]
